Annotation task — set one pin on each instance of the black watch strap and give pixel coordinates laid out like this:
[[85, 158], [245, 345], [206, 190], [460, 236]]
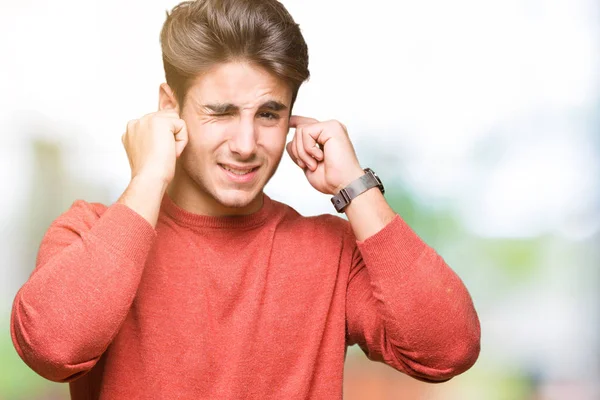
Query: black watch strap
[[369, 180]]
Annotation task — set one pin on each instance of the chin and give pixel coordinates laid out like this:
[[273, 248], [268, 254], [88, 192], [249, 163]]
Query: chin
[[236, 198]]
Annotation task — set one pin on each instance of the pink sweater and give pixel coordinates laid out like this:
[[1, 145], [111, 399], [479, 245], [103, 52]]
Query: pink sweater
[[255, 307]]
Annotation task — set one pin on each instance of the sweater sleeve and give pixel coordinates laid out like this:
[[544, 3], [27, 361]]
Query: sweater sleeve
[[405, 307], [87, 272]]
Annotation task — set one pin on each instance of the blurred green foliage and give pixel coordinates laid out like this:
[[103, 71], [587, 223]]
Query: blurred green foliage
[[17, 380]]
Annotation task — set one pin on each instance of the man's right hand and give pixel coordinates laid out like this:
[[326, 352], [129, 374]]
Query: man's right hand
[[153, 144]]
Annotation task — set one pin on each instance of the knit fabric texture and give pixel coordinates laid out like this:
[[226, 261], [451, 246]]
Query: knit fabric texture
[[261, 306]]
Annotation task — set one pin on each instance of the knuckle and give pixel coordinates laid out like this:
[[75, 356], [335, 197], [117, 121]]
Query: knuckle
[[131, 124], [153, 119], [336, 124], [156, 122]]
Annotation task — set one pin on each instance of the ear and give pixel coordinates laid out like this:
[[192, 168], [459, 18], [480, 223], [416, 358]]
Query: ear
[[166, 99]]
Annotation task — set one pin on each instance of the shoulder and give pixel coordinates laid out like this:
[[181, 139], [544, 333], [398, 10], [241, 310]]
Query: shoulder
[[69, 227], [317, 226], [80, 216]]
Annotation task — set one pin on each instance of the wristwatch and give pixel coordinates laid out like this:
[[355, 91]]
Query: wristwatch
[[369, 180]]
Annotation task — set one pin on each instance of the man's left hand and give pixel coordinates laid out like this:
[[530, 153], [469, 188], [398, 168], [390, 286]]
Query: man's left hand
[[325, 153]]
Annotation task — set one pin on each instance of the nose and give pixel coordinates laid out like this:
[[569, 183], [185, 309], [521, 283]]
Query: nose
[[243, 139]]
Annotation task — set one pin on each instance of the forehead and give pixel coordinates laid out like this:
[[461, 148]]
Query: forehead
[[239, 83]]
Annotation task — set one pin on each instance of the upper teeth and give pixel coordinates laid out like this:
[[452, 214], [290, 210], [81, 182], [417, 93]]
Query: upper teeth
[[237, 171]]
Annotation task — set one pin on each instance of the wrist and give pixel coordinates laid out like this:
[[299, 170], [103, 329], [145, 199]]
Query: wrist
[[369, 213], [368, 179], [348, 178], [144, 195], [151, 182]]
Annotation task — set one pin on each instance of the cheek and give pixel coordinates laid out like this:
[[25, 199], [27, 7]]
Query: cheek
[[206, 138], [273, 140]]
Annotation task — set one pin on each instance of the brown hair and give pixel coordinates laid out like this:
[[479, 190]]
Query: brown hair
[[200, 34]]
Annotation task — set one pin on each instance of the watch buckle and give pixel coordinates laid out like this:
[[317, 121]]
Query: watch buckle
[[345, 195]]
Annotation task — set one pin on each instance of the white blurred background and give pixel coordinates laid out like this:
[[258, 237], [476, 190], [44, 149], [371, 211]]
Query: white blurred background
[[481, 117]]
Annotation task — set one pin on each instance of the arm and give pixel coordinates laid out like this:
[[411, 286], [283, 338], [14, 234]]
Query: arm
[[405, 306], [87, 272], [89, 266]]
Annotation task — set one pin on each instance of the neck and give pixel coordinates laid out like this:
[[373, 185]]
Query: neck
[[186, 194]]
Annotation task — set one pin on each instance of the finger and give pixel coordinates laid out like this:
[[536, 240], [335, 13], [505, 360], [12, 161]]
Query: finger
[[168, 112], [181, 137], [304, 156], [158, 115], [131, 125], [297, 158], [296, 120], [311, 146], [291, 149], [320, 132]]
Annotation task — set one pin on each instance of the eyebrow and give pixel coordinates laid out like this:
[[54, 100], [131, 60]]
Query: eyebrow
[[223, 108]]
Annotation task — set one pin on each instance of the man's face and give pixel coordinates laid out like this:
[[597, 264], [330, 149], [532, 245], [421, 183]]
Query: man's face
[[237, 118]]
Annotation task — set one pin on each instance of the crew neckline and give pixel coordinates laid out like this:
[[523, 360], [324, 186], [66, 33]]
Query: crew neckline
[[182, 216]]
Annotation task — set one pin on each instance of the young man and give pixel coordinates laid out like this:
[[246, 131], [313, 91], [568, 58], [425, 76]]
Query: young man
[[196, 285]]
